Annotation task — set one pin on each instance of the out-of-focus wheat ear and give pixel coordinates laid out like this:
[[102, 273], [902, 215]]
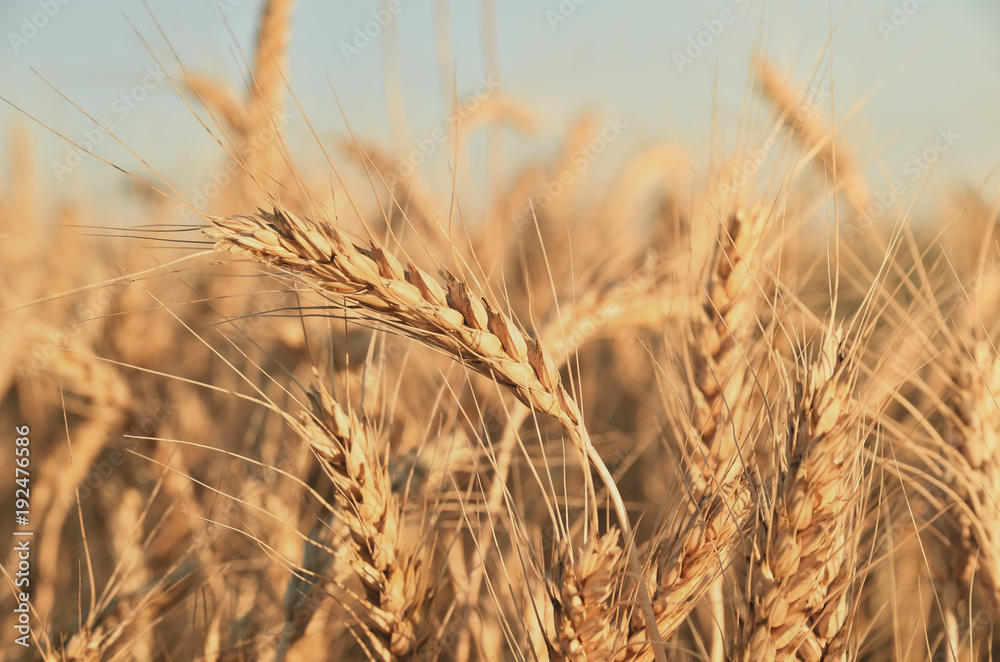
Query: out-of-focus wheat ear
[[390, 571], [24, 182], [805, 116], [799, 588], [582, 591], [973, 429], [112, 629], [222, 101], [267, 96], [271, 56], [110, 403]]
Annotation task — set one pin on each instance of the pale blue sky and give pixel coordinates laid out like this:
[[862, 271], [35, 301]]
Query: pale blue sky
[[941, 68]]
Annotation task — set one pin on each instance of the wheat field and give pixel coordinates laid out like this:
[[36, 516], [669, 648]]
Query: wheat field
[[330, 416]]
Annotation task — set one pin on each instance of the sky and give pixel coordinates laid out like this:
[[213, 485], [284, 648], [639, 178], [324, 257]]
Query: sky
[[903, 72]]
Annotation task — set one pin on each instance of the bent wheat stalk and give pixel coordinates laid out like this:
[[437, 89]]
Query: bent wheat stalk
[[454, 319]]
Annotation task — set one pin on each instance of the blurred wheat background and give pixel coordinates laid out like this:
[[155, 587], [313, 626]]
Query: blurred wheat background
[[502, 331]]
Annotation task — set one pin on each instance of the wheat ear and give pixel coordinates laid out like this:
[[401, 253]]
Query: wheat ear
[[218, 98], [973, 428], [272, 54], [455, 320], [582, 588], [723, 328], [813, 134], [695, 556], [389, 571], [799, 597], [691, 561]]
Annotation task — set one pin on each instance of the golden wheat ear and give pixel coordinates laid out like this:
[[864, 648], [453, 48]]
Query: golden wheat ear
[[799, 589], [390, 571], [372, 281], [582, 589], [451, 318], [972, 426]]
